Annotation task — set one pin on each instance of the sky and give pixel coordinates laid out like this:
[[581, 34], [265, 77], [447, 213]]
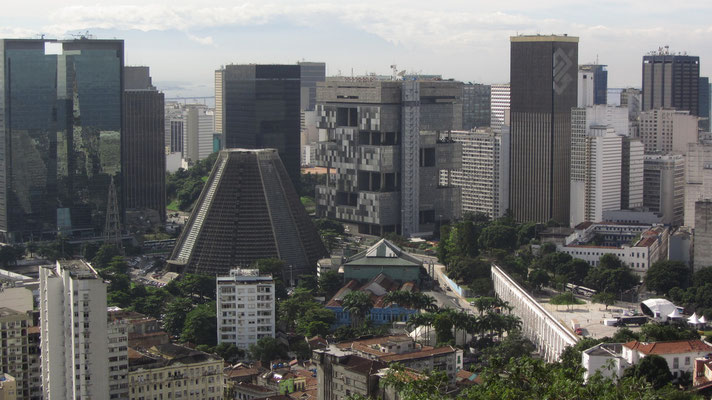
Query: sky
[[185, 41]]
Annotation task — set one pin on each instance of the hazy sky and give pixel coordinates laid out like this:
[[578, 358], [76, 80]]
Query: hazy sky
[[185, 41]]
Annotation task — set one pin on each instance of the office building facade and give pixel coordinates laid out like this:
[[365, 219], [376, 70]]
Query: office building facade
[[385, 141], [664, 187], [245, 307], [19, 354], [174, 127], [596, 161], [671, 81], [144, 155], [484, 177], [73, 322], [704, 104], [198, 130], [592, 85], [632, 161], [499, 105], [543, 92], [667, 130], [261, 109], [475, 106], [60, 129], [310, 73], [698, 178]]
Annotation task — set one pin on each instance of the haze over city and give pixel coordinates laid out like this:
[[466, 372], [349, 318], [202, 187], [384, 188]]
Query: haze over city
[[184, 41]]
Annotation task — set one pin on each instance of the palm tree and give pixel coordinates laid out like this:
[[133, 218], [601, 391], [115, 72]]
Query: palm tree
[[426, 320], [358, 304]]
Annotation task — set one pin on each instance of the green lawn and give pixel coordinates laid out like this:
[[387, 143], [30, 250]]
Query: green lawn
[[308, 204], [172, 206]]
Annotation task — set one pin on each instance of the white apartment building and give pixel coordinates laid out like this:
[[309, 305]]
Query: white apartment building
[[198, 129], [499, 105], [597, 161], [667, 130], [484, 177], [245, 307], [698, 178], [118, 339], [73, 323]]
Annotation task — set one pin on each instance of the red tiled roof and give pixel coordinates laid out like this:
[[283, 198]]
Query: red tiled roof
[[240, 372], [647, 242], [418, 354], [671, 347]]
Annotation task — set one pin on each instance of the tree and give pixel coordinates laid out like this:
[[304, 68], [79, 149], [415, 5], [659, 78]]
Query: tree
[[431, 386], [653, 368], [268, 349], [538, 278], [624, 335], [566, 298], [104, 255], [176, 312], [702, 276], [607, 299], [228, 352], [7, 255], [201, 325], [611, 275], [309, 282], [357, 304], [329, 283], [654, 332], [512, 346], [499, 237], [274, 267], [665, 275], [578, 269], [196, 286], [32, 247]]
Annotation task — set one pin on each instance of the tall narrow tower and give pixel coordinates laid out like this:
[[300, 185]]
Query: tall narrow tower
[[112, 228], [543, 91]]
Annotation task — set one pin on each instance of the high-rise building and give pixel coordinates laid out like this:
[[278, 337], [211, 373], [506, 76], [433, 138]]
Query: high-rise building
[[118, 337], [543, 92], [73, 322], [592, 85], [19, 354], [484, 177], [219, 101], [174, 127], [632, 161], [60, 125], [597, 135], [667, 130], [143, 155], [245, 307], [311, 73], [261, 106], [698, 178], [383, 138], [704, 104], [703, 234], [475, 106], [671, 81], [248, 210], [499, 105], [664, 187], [198, 130]]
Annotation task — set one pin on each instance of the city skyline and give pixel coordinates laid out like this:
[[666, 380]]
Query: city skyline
[[184, 44]]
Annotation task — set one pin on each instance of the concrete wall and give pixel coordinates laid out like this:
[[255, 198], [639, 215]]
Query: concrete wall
[[538, 325]]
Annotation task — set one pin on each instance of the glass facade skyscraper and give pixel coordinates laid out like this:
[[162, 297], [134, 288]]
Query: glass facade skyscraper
[[261, 106], [60, 135]]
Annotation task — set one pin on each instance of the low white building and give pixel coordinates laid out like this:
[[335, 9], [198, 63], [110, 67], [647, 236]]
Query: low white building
[[639, 246], [245, 307], [613, 358]]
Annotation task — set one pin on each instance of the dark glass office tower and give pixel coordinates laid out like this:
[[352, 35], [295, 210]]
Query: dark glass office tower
[[671, 81], [543, 79], [261, 110], [311, 73], [704, 103], [60, 135], [475, 105], [144, 154]]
